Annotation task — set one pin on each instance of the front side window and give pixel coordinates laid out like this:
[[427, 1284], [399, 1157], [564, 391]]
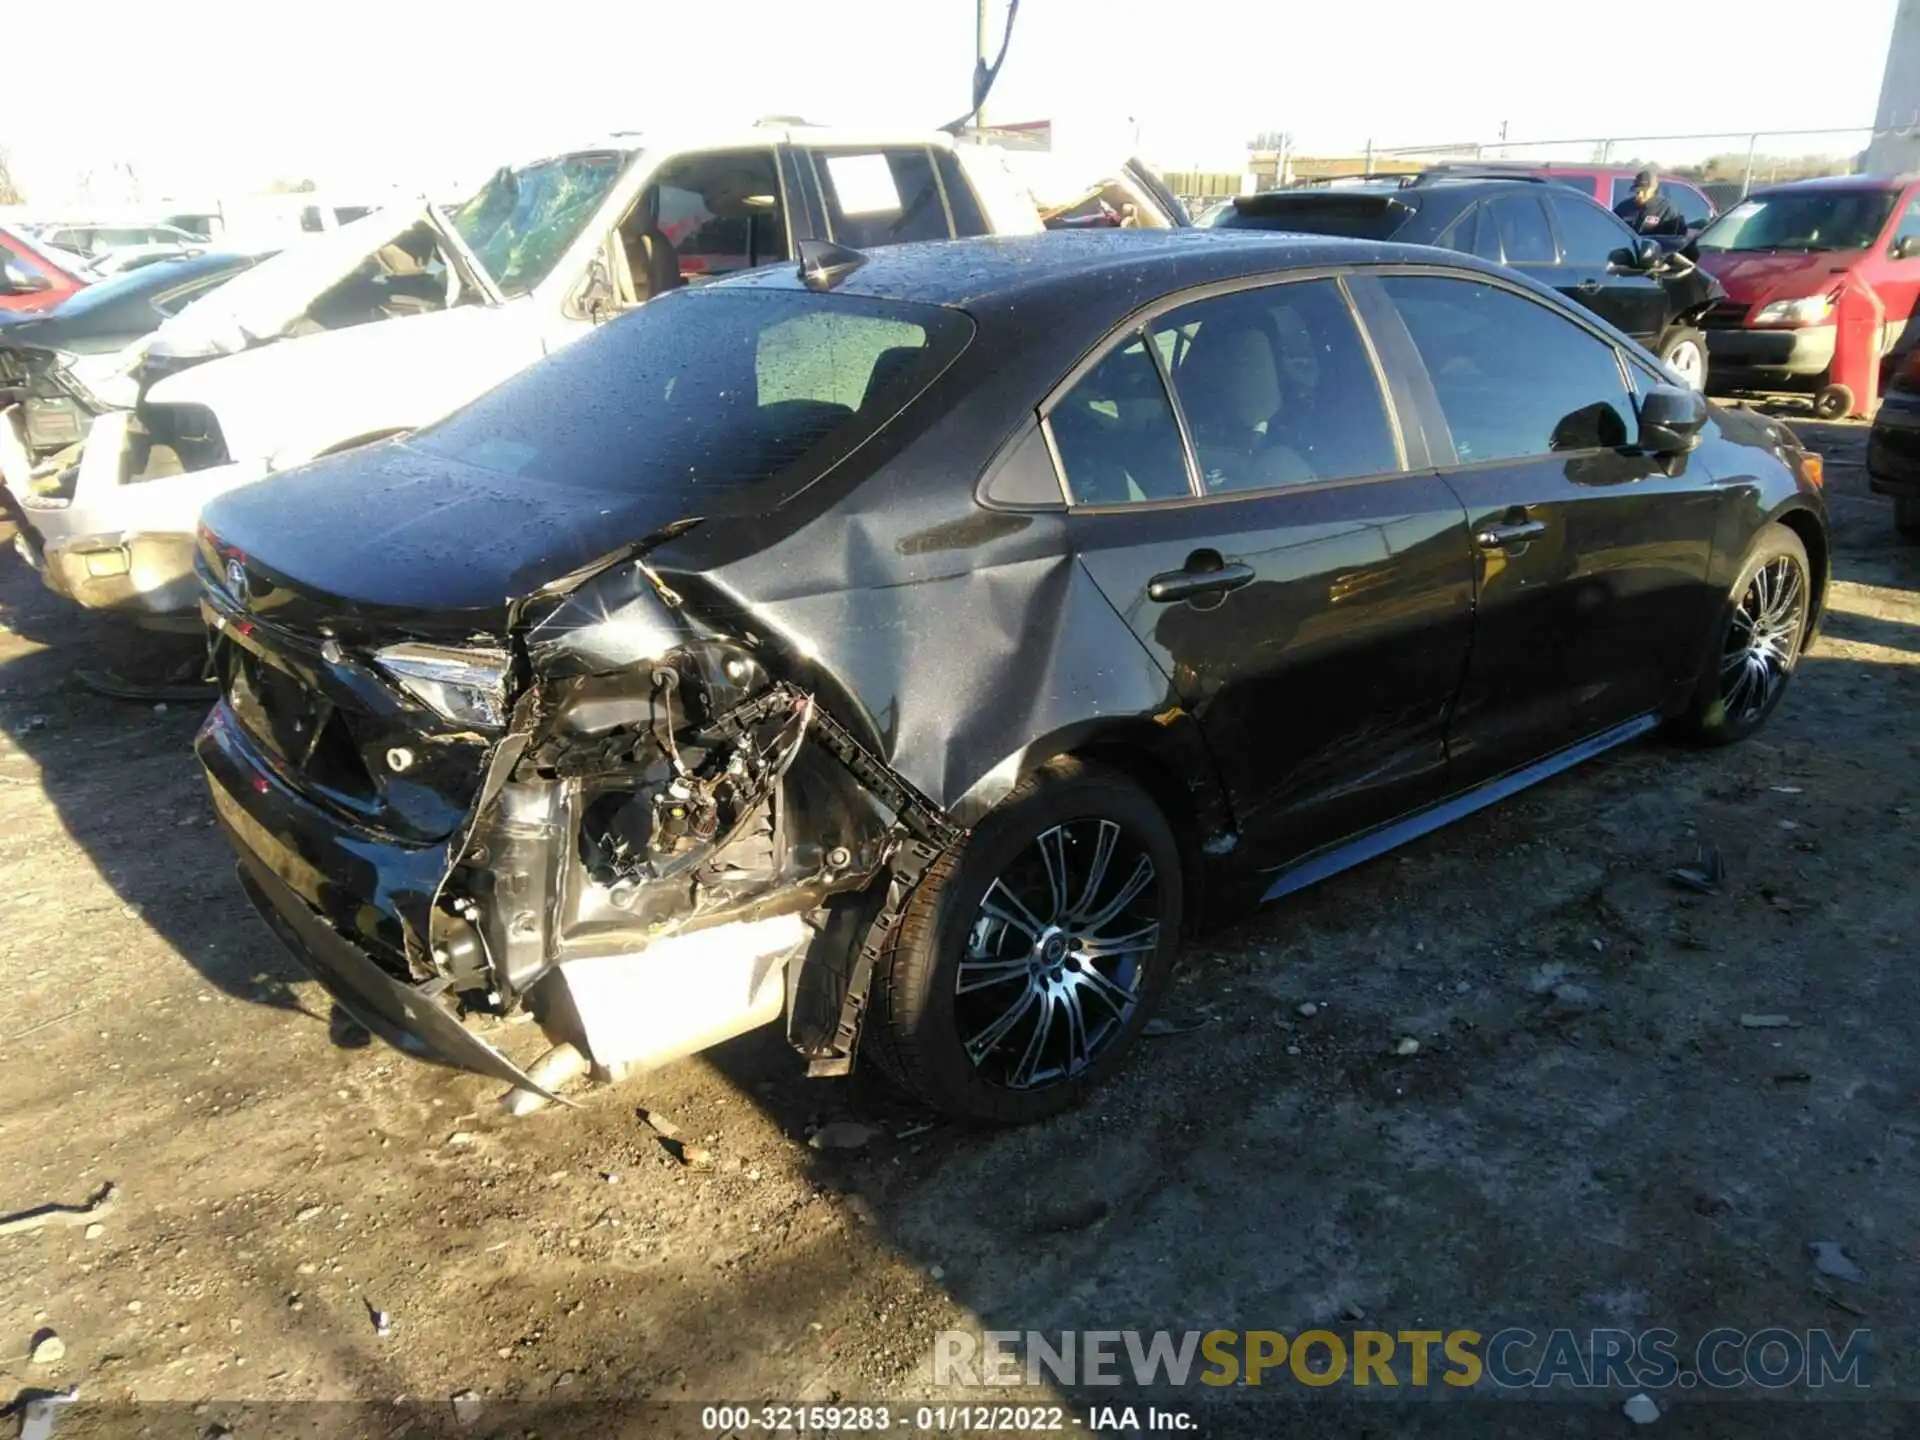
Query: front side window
[[1691, 204], [720, 213], [1909, 226], [521, 221], [1802, 220], [1277, 388], [1524, 236], [881, 197], [1513, 377], [705, 392], [1589, 234], [1116, 435]]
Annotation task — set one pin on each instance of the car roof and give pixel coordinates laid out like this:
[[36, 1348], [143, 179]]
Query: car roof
[[676, 139], [980, 272]]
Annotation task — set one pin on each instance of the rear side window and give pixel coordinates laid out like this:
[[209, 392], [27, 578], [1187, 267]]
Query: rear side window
[[1357, 217], [1116, 435], [968, 218], [881, 197], [1514, 378], [705, 391], [1588, 234], [1277, 388], [1522, 225]]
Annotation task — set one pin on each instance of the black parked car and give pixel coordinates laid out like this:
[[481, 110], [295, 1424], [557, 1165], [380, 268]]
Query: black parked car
[[1893, 445], [1002, 608], [49, 359], [1554, 234]]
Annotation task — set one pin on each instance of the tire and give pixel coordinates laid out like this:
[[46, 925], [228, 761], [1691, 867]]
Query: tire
[[1684, 351], [1906, 516], [1726, 705], [1833, 402], [919, 1025]]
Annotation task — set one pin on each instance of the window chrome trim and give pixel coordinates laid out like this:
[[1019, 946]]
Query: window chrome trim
[[1189, 452]]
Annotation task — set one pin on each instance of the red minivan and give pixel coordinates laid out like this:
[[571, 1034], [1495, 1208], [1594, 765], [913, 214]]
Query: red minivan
[[31, 279], [1784, 255]]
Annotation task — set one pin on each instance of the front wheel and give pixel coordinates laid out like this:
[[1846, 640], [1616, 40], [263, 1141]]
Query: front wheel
[[1833, 402], [1029, 958], [1761, 632], [1684, 352]]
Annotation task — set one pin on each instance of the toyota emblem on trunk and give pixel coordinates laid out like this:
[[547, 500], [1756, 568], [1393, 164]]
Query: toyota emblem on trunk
[[237, 581]]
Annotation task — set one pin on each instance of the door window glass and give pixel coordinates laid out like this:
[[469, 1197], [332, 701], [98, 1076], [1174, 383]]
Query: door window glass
[[1277, 388], [1514, 378], [720, 213], [1909, 225], [967, 217], [1588, 234], [882, 197], [1116, 434], [1691, 204], [1524, 236]]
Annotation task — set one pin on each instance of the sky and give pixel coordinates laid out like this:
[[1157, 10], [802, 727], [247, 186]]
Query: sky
[[215, 96]]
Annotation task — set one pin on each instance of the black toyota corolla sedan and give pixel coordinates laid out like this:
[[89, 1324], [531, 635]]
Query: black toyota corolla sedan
[[908, 648]]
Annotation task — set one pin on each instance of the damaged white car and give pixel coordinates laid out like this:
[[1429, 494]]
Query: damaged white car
[[393, 321]]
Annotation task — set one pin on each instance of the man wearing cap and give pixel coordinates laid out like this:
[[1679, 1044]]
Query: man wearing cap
[[1647, 211]]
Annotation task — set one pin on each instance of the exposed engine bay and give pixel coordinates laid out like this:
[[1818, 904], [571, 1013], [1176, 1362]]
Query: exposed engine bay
[[692, 808]]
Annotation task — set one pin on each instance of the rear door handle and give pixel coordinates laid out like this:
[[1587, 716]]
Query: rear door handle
[[1499, 537], [1174, 585], [1588, 287]]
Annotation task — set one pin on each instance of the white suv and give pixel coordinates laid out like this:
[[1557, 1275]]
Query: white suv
[[285, 363]]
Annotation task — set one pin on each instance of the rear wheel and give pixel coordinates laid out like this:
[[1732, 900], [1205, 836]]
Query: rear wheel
[[1761, 632], [1029, 958], [1684, 352]]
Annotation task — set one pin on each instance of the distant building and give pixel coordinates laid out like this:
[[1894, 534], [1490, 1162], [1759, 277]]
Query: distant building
[[1895, 147]]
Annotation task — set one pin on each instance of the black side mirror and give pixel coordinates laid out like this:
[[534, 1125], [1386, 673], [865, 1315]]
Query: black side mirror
[[1643, 254], [18, 280], [1906, 247], [1671, 419]]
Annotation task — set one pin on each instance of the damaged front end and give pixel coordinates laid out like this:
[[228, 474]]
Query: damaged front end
[[661, 841]]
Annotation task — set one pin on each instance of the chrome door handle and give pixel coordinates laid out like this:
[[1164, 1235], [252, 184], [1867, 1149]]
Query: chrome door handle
[[1498, 537]]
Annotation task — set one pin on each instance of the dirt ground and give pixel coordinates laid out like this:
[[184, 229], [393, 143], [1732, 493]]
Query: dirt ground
[[1587, 1136]]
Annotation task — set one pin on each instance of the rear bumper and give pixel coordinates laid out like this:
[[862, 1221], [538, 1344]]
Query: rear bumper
[[340, 900], [1893, 447], [1759, 357], [146, 577]]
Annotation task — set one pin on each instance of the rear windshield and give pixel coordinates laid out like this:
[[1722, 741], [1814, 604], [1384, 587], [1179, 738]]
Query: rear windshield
[[1363, 219], [708, 390], [1806, 220]]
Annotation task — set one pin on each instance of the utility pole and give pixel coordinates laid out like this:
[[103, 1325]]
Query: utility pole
[[979, 55]]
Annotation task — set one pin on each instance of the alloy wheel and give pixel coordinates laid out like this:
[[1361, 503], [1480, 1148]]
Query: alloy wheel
[[1056, 953], [1764, 639], [1689, 361]]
